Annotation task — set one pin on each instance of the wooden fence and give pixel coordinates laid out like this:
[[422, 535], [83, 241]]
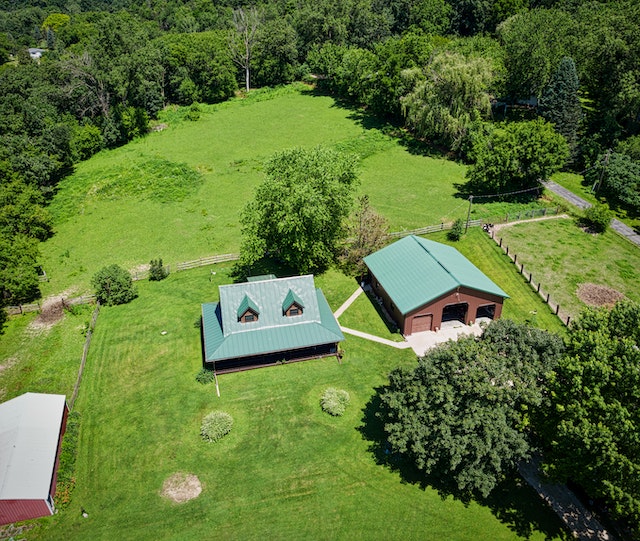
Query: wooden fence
[[23, 309], [538, 288], [85, 352], [204, 261], [504, 218]]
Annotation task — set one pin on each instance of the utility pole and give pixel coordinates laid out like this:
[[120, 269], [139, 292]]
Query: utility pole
[[598, 183], [468, 213]]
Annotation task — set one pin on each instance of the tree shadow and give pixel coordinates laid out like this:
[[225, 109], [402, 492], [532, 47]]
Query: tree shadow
[[391, 326], [264, 267], [391, 126], [513, 502]]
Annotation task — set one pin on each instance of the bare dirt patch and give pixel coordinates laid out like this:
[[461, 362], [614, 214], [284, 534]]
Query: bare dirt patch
[[596, 295], [51, 311], [181, 487]]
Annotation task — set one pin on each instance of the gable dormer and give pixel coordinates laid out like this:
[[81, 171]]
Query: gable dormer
[[248, 310], [292, 305]]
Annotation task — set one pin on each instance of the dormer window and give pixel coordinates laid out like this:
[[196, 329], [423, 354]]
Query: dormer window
[[292, 305], [248, 310]]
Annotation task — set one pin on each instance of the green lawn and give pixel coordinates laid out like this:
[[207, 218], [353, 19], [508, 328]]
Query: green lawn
[[562, 256], [177, 193], [286, 471]]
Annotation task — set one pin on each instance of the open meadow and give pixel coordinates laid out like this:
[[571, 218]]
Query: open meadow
[[177, 193]]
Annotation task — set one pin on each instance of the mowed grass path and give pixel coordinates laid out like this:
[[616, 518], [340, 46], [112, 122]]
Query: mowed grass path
[[562, 256], [177, 194], [286, 471]]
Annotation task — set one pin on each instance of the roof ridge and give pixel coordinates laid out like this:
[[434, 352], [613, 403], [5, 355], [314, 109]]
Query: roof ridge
[[453, 276]]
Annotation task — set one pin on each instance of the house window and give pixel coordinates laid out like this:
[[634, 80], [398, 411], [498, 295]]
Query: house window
[[248, 317], [294, 311]]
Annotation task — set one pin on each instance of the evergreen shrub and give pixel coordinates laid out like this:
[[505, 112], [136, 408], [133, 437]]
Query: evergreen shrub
[[334, 401], [216, 425]]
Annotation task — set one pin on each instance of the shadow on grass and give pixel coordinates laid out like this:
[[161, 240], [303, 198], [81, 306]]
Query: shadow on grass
[[513, 502], [391, 327], [391, 126]]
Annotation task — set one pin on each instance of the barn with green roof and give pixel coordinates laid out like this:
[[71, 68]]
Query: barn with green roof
[[423, 283], [267, 320]]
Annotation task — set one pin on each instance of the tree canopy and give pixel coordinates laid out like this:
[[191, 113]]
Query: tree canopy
[[592, 428], [298, 211], [462, 415], [516, 156]]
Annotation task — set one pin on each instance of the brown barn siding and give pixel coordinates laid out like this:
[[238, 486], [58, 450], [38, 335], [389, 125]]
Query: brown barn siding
[[17, 510], [472, 297]]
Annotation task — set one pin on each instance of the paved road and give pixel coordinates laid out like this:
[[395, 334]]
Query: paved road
[[572, 198]]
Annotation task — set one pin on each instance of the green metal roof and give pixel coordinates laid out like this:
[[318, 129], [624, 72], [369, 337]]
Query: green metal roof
[[227, 338], [290, 299], [261, 277], [414, 271], [247, 304]]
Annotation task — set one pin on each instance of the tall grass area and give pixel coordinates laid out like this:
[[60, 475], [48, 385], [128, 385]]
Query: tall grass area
[[562, 256], [287, 470]]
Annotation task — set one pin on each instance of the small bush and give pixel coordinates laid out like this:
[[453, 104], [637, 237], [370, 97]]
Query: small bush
[[457, 230], [193, 113], [113, 285], [216, 425], [205, 376], [598, 218], [157, 271], [334, 401]]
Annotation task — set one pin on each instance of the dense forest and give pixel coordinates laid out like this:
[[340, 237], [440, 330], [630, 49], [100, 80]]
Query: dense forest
[[479, 79]]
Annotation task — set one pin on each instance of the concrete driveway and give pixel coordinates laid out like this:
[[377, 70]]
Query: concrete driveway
[[420, 342]]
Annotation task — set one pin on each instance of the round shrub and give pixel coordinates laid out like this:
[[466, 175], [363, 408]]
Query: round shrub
[[334, 401], [598, 217], [215, 425], [113, 285], [205, 376], [457, 230]]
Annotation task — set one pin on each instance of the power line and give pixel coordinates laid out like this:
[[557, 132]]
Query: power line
[[537, 189]]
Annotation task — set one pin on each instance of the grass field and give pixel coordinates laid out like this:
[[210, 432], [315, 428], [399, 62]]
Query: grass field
[[286, 471], [177, 194], [562, 256]]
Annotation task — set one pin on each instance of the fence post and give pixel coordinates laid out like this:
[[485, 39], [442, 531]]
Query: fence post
[[548, 295], [544, 211], [500, 242], [507, 250], [530, 276], [441, 226], [568, 320], [515, 259], [538, 287], [522, 269], [557, 309]]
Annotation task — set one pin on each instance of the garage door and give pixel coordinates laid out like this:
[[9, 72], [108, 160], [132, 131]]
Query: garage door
[[421, 323]]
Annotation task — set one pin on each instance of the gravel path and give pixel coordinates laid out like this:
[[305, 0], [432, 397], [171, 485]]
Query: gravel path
[[621, 228], [580, 521]]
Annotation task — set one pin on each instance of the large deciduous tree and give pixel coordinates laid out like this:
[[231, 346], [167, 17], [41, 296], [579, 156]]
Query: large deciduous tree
[[461, 416], [593, 429], [297, 212], [560, 103], [453, 95], [517, 156]]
